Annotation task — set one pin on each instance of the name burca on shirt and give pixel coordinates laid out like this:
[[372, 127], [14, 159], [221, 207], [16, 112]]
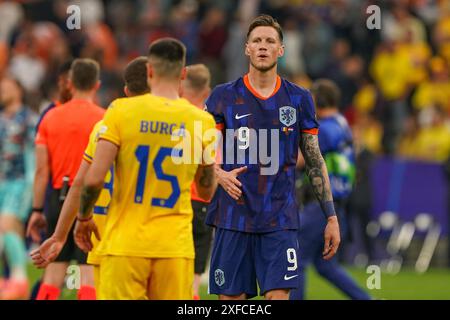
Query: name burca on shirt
[[161, 127]]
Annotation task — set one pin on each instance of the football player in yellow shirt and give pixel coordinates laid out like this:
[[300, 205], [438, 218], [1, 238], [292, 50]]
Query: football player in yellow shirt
[[147, 242], [135, 77]]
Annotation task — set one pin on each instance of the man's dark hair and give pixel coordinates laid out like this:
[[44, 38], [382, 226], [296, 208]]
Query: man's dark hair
[[326, 93], [167, 56], [64, 68], [135, 76], [265, 20], [85, 74]]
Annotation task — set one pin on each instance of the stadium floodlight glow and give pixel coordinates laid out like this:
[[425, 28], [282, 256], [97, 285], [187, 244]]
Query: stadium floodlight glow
[[423, 221], [406, 234], [361, 260], [392, 266], [429, 245], [388, 219], [373, 229]]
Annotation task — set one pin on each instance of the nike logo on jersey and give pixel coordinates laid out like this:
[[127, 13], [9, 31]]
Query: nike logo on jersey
[[289, 278], [237, 117]]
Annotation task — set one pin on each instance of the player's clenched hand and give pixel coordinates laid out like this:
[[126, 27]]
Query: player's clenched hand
[[332, 238], [82, 234], [47, 252], [36, 225], [229, 182]]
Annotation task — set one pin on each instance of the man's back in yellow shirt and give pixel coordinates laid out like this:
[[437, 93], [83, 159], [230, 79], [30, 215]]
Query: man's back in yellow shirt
[[150, 213]]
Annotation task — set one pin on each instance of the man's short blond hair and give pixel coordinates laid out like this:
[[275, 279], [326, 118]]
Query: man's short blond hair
[[198, 77]]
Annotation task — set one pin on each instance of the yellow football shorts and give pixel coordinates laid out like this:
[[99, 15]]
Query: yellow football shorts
[[96, 276], [135, 278]]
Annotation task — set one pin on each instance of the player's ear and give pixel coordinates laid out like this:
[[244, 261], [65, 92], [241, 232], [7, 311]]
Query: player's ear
[[126, 91], [183, 73], [97, 85], [247, 51], [281, 51], [149, 71], [70, 85]]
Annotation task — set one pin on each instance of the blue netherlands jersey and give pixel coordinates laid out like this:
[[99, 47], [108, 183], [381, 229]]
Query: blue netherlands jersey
[[262, 134], [336, 146]]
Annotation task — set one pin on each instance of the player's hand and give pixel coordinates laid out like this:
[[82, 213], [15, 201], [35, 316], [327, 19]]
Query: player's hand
[[229, 182], [82, 234], [332, 238], [47, 252], [36, 225]]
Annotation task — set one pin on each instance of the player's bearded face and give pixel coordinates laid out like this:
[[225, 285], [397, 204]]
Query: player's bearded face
[[264, 48]]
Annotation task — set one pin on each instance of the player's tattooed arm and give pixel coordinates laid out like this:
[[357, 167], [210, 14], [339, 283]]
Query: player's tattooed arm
[[316, 169], [89, 196], [318, 176], [205, 181]]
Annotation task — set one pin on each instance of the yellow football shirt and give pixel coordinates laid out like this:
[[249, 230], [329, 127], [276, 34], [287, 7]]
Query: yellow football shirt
[[161, 143], [102, 204]]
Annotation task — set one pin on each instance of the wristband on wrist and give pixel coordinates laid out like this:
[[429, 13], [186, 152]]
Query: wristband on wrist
[[85, 219], [40, 210], [328, 209]]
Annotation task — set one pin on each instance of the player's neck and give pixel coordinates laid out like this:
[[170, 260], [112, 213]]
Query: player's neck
[[83, 95], [263, 82], [194, 98], [165, 89]]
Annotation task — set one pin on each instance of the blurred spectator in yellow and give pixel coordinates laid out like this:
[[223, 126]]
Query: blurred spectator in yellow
[[441, 32], [436, 90], [391, 69], [408, 142], [432, 141], [420, 53], [398, 24]]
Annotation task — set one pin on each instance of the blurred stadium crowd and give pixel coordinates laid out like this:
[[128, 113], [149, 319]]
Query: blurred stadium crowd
[[395, 81]]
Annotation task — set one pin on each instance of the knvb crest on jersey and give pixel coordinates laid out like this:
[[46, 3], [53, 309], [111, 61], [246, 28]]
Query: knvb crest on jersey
[[288, 116]]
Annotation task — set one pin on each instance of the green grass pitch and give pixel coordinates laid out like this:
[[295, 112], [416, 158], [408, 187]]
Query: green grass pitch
[[406, 285]]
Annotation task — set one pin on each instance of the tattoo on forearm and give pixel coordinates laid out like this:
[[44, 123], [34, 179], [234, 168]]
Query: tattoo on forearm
[[207, 177], [89, 196], [315, 167]]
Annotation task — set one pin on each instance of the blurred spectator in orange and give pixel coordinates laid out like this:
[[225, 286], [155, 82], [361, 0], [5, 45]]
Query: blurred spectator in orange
[[212, 38]]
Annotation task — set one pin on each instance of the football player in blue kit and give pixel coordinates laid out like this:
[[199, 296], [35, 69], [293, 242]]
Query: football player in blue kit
[[264, 120], [336, 146]]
